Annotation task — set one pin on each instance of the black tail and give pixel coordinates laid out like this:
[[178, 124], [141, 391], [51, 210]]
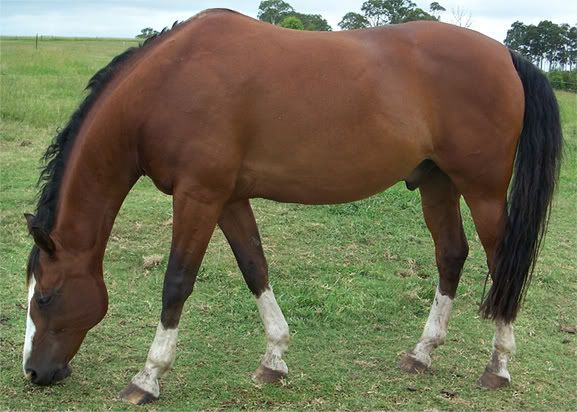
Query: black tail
[[536, 173]]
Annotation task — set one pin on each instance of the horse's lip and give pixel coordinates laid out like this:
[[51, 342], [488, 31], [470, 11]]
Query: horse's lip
[[61, 374]]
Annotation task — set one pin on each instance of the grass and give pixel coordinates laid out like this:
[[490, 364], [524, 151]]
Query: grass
[[355, 282]]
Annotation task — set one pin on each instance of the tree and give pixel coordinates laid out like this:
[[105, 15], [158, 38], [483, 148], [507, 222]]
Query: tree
[[534, 44], [146, 33], [436, 9], [352, 21], [274, 11], [379, 12], [418, 14], [572, 47], [552, 39], [461, 17], [292, 22], [516, 38], [545, 43], [563, 47], [313, 22]]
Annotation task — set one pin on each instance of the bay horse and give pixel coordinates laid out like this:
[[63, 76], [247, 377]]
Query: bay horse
[[223, 108]]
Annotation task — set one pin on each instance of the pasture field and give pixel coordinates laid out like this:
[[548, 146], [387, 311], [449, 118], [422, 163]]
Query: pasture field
[[355, 282]]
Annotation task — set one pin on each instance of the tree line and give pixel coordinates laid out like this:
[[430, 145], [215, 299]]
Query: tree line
[[376, 13], [549, 46], [282, 14], [373, 13], [545, 44]]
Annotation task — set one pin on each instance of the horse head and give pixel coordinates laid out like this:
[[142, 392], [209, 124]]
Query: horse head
[[66, 298]]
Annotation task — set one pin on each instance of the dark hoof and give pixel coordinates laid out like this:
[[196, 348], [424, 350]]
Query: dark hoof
[[267, 375], [136, 395], [491, 381], [411, 364]]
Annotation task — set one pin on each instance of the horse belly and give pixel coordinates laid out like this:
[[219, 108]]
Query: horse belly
[[327, 170], [315, 191]]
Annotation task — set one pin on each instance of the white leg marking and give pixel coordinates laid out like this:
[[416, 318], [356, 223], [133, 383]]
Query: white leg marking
[[30, 327], [276, 329], [435, 328], [160, 359], [503, 347]]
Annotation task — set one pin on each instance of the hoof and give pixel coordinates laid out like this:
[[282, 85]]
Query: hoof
[[267, 375], [136, 395], [411, 364], [489, 380]]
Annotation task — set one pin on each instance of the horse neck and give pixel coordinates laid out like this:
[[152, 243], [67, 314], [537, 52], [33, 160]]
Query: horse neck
[[100, 172]]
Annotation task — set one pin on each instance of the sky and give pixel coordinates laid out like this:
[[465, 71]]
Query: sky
[[125, 18]]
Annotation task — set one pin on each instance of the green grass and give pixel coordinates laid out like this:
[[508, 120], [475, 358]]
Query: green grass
[[355, 282]]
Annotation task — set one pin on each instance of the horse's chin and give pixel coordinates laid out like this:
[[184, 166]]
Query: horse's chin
[[62, 374]]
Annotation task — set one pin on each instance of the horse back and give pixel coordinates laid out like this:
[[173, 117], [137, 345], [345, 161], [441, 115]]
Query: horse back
[[319, 117]]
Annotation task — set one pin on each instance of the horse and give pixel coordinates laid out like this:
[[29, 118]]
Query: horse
[[222, 109]]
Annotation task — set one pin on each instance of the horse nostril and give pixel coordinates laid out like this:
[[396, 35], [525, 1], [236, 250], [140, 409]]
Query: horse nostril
[[31, 375]]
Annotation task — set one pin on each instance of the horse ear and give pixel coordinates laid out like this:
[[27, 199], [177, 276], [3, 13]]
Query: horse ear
[[29, 220], [41, 237]]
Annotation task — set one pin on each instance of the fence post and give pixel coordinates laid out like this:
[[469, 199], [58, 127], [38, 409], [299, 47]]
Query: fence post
[[36, 41]]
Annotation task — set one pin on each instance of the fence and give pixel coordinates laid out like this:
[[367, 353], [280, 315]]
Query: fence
[[563, 80]]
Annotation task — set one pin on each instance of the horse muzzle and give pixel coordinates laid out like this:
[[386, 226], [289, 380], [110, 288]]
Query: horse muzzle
[[47, 376]]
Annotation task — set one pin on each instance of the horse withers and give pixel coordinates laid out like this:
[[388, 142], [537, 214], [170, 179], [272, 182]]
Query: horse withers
[[224, 108]]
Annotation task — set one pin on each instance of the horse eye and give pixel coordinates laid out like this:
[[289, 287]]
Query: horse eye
[[44, 300]]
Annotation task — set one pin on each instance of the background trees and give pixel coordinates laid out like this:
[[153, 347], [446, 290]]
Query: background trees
[[550, 46], [292, 22], [546, 44], [376, 13], [283, 14], [274, 11], [373, 13], [146, 33]]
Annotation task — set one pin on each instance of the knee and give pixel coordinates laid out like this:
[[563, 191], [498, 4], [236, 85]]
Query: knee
[[177, 287]]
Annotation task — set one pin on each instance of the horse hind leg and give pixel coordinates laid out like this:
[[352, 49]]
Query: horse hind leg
[[440, 203], [239, 226], [496, 373], [489, 217]]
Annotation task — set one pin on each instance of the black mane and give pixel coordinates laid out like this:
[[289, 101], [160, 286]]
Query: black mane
[[57, 153], [56, 156]]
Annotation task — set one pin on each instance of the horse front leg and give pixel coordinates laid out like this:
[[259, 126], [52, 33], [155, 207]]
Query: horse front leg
[[239, 226], [194, 220]]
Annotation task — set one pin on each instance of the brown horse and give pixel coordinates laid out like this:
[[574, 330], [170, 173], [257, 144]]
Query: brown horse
[[223, 108]]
